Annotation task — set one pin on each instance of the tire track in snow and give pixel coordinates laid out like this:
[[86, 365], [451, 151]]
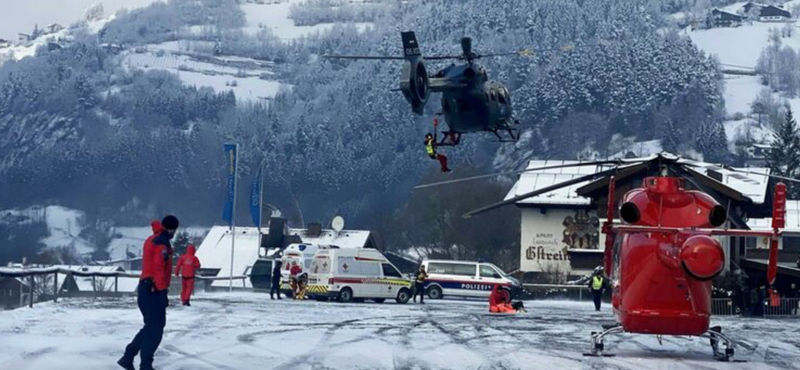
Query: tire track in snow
[[312, 357]]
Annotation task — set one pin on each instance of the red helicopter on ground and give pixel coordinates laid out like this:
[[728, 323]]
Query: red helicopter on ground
[[662, 257]]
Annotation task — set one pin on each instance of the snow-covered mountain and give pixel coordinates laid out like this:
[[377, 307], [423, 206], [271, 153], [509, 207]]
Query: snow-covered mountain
[[124, 116], [742, 49]]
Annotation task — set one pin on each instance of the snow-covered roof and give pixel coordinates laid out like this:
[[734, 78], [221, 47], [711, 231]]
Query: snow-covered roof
[[343, 239], [125, 284], [215, 250], [534, 180], [750, 185]]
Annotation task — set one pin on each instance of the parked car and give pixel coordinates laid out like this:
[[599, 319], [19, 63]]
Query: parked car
[[466, 279]]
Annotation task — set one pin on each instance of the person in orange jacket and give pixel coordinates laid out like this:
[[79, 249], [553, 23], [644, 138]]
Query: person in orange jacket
[[152, 294], [499, 301], [187, 264]]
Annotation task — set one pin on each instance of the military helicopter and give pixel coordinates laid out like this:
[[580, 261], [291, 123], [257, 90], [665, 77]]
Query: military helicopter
[[470, 101], [662, 257]]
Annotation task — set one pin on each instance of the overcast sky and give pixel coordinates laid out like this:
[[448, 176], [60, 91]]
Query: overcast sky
[[22, 15]]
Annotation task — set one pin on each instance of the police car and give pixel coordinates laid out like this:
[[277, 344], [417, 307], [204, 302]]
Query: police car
[[465, 279]]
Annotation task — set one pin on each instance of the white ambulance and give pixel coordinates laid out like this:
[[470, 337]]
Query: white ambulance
[[356, 274], [303, 255]]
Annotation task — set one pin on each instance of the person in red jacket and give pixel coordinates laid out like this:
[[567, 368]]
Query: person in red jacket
[[187, 264], [152, 294], [294, 273], [499, 301]]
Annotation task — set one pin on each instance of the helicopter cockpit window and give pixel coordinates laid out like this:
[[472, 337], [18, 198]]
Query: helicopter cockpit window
[[493, 95]]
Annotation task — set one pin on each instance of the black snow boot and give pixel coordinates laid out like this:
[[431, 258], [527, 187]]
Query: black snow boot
[[126, 364]]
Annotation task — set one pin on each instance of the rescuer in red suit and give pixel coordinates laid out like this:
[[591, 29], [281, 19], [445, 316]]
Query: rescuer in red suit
[[152, 294], [498, 301], [294, 272], [187, 264]]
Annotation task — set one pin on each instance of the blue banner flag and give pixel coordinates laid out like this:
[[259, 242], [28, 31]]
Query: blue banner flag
[[255, 199], [230, 159]]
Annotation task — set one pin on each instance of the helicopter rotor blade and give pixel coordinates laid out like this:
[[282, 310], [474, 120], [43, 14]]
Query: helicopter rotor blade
[[517, 172], [737, 173], [365, 57], [534, 193], [443, 57], [531, 51]]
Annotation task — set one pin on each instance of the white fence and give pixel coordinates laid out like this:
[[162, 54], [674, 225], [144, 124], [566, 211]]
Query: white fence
[[722, 307], [30, 295]]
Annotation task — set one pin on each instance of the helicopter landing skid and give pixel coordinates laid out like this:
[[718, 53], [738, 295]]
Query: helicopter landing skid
[[597, 340], [449, 139], [715, 335], [513, 134]]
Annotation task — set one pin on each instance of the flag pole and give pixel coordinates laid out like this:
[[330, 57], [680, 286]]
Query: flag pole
[[233, 216], [260, 198]]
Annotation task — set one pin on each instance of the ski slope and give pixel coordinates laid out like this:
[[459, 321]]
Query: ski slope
[[249, 84], [224, 331], [275, 17], [740, 48]]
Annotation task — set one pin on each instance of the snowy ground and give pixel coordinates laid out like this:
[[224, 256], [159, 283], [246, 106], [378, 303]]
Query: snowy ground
[[248, 331], [248, 84], [740, 46], [275, 16]]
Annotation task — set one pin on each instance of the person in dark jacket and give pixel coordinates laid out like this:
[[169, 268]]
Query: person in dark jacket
[[186, 267], [597, 284], [152, 294], [419, 285], [275, 287]]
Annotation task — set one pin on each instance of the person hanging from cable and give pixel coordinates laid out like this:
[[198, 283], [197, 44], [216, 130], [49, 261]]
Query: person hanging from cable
[[430, 147]]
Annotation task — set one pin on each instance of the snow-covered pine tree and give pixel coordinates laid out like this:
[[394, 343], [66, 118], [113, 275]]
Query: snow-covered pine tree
[[784, 155]]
